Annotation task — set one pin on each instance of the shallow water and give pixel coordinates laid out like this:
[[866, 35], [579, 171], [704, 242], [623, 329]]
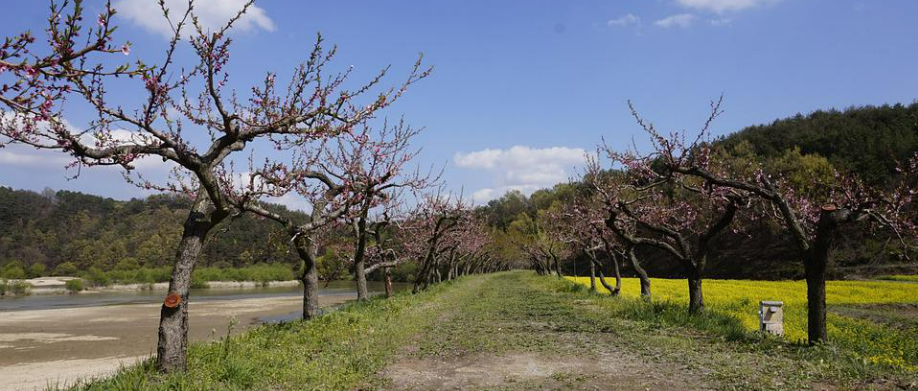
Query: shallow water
[[40, 302]]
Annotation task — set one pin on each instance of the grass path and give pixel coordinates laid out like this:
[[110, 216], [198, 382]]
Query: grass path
[[510, 331], [522, 332], [515, 333]]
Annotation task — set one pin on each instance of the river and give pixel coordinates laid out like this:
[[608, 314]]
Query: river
[[57, 339]]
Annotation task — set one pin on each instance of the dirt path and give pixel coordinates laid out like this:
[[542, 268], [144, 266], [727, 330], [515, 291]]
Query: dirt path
[[508, 337]]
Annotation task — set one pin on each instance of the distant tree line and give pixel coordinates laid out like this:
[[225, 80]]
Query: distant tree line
[[866, 141], [64, 233]]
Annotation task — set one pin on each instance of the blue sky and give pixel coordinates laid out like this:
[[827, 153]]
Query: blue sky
[[520, 88]]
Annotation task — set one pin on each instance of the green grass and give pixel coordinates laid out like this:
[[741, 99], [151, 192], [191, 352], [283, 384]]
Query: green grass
[[897, 316], [516, 312]]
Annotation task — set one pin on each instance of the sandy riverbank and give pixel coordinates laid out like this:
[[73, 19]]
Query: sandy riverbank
[[58, 346]]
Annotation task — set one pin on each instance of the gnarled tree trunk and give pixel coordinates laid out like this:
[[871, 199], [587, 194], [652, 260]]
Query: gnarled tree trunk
[[615, 269], [816, 307], [815, 262], [309, 277], [422, 281], [436, 270], [557, 265], [696, 296], [593, 276], [360, 274], [696, 275], [172, 347], [613, 290], [642, 274]]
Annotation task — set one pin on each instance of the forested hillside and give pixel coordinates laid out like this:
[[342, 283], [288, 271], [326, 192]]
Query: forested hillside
[[866, 141], [64, 232]]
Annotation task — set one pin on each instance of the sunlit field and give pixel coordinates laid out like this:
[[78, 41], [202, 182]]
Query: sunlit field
[[890, 339]]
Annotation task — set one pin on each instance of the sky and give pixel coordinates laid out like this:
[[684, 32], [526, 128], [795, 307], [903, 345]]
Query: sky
[[521, 90]]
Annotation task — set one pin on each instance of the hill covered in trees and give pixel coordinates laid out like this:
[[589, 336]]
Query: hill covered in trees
[[866, 141], [67, 232], [64, 232]]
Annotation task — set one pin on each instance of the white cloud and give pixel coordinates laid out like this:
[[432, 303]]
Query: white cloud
[[17, 155], [722, 6], [484, 195], [521, 168], [680, 20], [625, 21], [486, 158], [212, 14], [292, 201]]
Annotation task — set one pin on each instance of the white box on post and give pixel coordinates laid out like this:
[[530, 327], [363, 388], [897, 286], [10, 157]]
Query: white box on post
[[771, 317]]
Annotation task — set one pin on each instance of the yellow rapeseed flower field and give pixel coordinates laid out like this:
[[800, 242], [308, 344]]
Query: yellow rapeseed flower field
[[870, 341]]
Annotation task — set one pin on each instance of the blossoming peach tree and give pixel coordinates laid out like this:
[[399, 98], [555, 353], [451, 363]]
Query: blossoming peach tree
[[467, 249], [380, 179], [424, 228], [187, 115], [648, 205], [581, 226], [812, 218], [342, 179]]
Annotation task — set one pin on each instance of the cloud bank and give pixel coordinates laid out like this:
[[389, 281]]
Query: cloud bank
[[625, 21], [212, 14], [520, 168], [680, 20], [722, 6]]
